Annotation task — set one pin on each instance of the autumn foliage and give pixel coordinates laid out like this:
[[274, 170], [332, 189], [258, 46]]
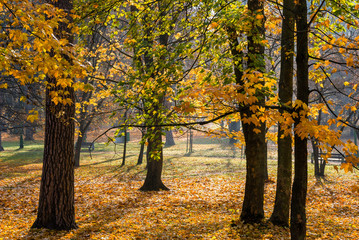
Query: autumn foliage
[[203, 203], [164, 65]]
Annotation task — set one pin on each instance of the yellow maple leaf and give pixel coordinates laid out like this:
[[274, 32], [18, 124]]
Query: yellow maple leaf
[[33, 115], [3, 85]]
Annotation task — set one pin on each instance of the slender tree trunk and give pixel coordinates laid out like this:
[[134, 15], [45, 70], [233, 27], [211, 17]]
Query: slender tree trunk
[[29, 133], [78, 146], [124, 149], [56, 203], [1, 147], [153, 181], [299, 191], [280, 215], [315, 157], [323, 163], [142, 148], [21, 142], [169, 139], [190, 148], [266, 176], [140, 156]]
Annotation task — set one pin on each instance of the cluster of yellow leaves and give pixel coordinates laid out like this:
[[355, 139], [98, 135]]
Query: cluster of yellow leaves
[[34, 49]]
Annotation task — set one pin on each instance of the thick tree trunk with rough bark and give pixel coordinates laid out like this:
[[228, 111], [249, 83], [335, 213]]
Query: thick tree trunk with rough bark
[[299, 190], [56, 203], [153, 181], [280, 215], [252, 210], [255, 151]]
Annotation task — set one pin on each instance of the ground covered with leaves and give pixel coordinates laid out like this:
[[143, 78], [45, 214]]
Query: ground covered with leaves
[[204, 201]]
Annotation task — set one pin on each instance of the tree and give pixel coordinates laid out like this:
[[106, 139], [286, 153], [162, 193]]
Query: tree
[[153, 69], [280, 215], [169, 139], [299, 190], [56, 203], [2, 129], [252, 210]]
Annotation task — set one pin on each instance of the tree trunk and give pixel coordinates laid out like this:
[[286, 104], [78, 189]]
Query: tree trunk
[[140, 156], [315, 157], [169, 139], [280, 215], [29, 133], [252, 210], [56, 203], [78, 146], [153, 181], [266, 176], [124, 149], [190, 148], [322, 165], [299, 191], [21, 142], [1, 147]]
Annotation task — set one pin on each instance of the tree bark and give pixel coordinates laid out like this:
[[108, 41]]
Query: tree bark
[[142, 148], [29, 133], [252, 210], [56, 203], [169, 139], [77, 154], [124, 149], [153, 181], [21, 145], [299, 191], [190, 145], [1, 147], [315, 157], [280, 215]]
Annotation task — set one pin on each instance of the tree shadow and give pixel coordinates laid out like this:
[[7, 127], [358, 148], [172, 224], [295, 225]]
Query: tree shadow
[[21, 157]]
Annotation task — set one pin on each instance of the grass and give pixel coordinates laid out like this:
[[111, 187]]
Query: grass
[[206, 195]]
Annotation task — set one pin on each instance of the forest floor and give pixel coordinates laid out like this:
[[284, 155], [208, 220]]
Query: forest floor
[[205, 199]]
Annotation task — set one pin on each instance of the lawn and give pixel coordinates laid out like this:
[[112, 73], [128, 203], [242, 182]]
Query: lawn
[[205, 199]]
